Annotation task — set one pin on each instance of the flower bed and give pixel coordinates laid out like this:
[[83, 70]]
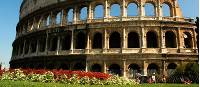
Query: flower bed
[[63, 76]]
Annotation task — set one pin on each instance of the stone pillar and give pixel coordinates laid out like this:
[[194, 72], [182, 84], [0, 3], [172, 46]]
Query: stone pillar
[[58, 45], [90, 12], [145, 66], [104, 67], [164, 72], [64, 18], [194, 40], [162, 38], [53, 20], [124, 70], [124, 9], [86, 66], [124, 40], [46, 46], [106, 44], [75, 14], [180, 42], [37, 47], [88, 43], [24, 47], [106, 9], [72, 42], [141, 9], [143, 39], [159, 7]]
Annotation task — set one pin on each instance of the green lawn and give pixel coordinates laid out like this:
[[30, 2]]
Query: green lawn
[[38, 84]]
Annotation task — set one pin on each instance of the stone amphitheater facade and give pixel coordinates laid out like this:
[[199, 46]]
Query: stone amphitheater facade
[[48, 37]]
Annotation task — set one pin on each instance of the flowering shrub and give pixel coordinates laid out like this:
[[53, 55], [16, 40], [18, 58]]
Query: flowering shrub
[[64, 76]]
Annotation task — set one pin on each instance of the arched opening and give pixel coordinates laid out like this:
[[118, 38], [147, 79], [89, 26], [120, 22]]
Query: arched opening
[[166, 10], [132, 9], [66, 42], [97, 41], [170, 39], [152, 69], [64, 66], [96, 68], [53, 44], [115, 69], [27, 47], [149, 9], [70, 16], [42, 44], [33, 46], [133, 70], [187, 40], [79, 66], [115, 10], [99, 12], [83, 13], [80, 40], [48, 20], [115, 40], [152, 39], [58, 18], [171, 68], [133, 40]]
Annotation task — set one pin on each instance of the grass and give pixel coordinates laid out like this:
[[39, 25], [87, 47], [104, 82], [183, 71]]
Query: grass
[[39, 84]]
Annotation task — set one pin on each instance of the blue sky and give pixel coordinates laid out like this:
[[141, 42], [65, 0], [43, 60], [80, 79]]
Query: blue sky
[[9, 16]]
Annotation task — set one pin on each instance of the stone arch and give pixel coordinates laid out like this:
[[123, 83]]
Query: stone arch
[[133, 40], [58, 17], [132, 9], [48, 20], [79, 66], [133, 70], [80, 40], [42, 44], [153, 68], [167, 9], [115, 69], [33, 46], [99, 11], [70, 15], [149, 9], [66, 42], [64, 66], [187, 40], [53, 43], [115, 40], [96, 68], [171, 68], [97, 41], [115, 10], [170, 39], [152, 39], [83, 13]]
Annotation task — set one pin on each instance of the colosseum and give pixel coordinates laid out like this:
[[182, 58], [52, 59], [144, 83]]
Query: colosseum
[[91, 35]]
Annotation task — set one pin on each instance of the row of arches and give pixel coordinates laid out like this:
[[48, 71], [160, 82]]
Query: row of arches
[[84, 12], [115, 41], [133, 69]]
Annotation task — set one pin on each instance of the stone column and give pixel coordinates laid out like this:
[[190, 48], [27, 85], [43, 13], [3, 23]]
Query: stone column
[[124, 70], [88, 43], [194, 40], [46, 46], [180, 44], [24, 47], [143, 39], [159, 10], [72, 42], [145, 66], [63, 18], [53, 20], [104, 67], [75, 14], [124, 9], [58, 45], [162, 38], [164, 68], [90, 12], [124, 40], [37, 47], [106, 9], [86, 66], [106, 44], [141, 9]]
